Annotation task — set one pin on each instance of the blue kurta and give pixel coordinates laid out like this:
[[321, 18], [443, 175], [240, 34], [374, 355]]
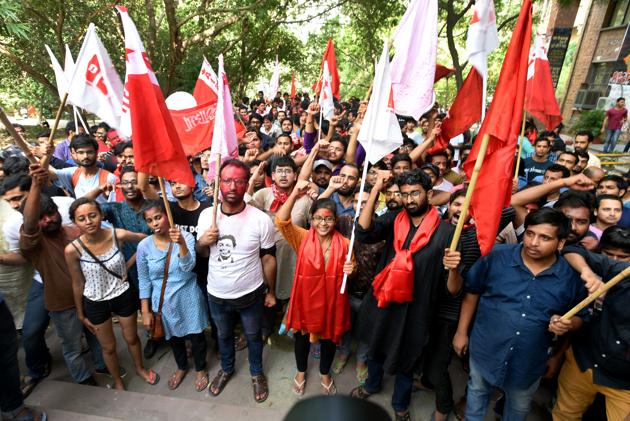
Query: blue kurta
[[183, 310]]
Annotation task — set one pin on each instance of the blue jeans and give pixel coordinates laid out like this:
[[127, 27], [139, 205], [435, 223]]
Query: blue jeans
[[36, 322], [69, 330], [612, 135], [517, 401], [403, 384], [225, 316]]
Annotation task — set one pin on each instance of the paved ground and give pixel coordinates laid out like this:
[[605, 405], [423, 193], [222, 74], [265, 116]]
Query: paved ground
[[69, 401]]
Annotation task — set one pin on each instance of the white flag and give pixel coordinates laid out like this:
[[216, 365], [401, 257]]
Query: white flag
[[482, 37], [380, 132], [60, 76], [68, 64], [413, 66], [274, 82], [95, 86], [326, 95]]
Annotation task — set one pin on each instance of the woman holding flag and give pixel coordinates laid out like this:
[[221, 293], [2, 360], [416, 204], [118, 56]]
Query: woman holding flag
[[317, 310]]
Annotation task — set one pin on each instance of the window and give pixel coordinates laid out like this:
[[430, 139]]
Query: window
[[619, 15]]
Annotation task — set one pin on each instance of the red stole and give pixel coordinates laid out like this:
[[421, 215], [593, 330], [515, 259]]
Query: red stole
[[316, 305], [395, 282], [279, 197]]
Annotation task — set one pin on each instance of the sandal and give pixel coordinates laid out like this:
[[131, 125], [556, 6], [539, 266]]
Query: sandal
[[27, 385], [362, 374], [219, 382], [360, 393], [154, 377], [339, 364], [403, 417], [175, 380], [261, 389], [329, 389], [298, 388], [29, 414], [202, 383], [240, 343]]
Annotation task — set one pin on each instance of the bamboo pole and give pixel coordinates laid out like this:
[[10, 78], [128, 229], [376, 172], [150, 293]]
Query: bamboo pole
[[167, 205], [469, 192], [588, 300], [215, 195], [19, 140], [520, 148], [46, 159]]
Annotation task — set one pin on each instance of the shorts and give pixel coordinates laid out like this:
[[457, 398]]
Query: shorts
[[124, 305]]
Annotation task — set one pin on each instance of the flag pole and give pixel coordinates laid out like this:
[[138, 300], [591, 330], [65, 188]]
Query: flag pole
[[19, 140], [520, 147], [585, 302], [46, 159], [469, 192], [215, 195], [167, 205]]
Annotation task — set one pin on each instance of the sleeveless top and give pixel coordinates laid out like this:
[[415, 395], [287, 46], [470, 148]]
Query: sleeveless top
[[100, 284]]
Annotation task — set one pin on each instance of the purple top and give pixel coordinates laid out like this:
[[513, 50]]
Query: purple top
[[310, 140], [62, 151]]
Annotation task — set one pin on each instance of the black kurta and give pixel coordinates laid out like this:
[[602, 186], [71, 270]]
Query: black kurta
[[399, 332]]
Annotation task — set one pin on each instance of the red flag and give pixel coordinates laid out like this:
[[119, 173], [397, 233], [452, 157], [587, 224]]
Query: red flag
[[206, 86], [502, 124], [195, 126], [464, 112], [329, 56], [441, 72], [540, 98], [292, 85], [156, 145]]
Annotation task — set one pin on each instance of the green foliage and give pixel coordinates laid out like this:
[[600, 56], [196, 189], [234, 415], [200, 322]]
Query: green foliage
[[590, 121]]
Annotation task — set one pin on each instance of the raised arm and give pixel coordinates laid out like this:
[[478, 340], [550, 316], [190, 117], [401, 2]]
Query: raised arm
[[365, 217], [307, 167], [31, 207], [284, 213], [356, 128], [419, 151]]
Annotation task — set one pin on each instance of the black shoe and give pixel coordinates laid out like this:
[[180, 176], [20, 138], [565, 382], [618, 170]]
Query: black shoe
[[105, 371], [150, 348], [89, 381]]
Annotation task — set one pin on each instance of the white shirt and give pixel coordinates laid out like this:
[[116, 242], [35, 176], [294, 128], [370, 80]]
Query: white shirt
[[234, 264]]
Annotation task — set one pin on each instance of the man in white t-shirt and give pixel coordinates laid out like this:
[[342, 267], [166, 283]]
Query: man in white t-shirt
[[241, 273]]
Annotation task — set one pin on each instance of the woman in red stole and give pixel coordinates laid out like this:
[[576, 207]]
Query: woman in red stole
[[317, 309]]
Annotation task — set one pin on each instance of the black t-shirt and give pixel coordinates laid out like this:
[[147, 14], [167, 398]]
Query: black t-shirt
[[187, 221]]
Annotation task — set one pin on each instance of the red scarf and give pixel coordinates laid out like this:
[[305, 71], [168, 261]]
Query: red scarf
[[395, 282], [279, 197], [316, 305]]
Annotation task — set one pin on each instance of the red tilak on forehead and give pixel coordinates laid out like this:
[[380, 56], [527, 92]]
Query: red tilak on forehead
[[325, 212]]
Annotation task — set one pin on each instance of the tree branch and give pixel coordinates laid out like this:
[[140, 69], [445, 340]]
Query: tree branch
[[506, 21], [29, 69], [211, 32], [202, 11]]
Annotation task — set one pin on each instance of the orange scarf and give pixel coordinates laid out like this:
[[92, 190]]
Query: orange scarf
[[395, 282], [316, 305]]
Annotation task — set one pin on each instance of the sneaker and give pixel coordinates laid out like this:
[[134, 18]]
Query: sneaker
[[150, 348], [105, 371]]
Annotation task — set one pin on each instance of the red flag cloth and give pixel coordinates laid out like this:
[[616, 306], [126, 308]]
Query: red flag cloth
[[316, 305], [292, 85], [502, 124], [464, 112], [195, 126], [442, 72], [329, 56], [206, 86], [156, 145], [540, 98]]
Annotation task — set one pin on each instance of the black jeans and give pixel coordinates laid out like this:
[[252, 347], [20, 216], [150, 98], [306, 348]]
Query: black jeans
[[302, 348], [199, 350], [10, 392], [438, 353]]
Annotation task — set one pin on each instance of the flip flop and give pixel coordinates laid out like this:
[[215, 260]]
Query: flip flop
[[329, 389], [299, 387], [202, 383], [154, 377], [175, 381]]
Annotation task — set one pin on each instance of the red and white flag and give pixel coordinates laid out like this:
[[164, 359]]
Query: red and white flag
[[540, 97], [95, 86], [482, 37], [206, 86], [380, 131], [224, 140], [156, 145], [326, 94], [413, 65], [330, 61]]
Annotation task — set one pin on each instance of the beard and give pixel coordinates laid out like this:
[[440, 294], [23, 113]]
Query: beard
[[418, 210], [393, 205], [345, 193]]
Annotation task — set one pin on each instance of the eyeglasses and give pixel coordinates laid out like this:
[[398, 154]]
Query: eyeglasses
[[237, 181], [414, 194], [283, 171], [327, 219]]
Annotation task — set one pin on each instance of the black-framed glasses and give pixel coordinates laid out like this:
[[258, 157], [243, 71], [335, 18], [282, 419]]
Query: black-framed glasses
[[414, 194]]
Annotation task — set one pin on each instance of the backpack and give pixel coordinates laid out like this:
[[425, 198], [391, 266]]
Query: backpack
[[102, 177]]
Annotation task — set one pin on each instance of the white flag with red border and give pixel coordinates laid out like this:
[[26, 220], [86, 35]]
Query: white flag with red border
[[206, 89], [326, 95], [483, 36]]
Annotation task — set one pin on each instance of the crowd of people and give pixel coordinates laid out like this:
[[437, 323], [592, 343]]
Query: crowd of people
[[87, 242]]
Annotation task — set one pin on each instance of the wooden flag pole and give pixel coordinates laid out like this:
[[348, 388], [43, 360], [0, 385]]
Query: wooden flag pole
[[46, 160], [19, 140], [520, 148], [469, 192], [215, 195], [588, 300], [167, 205]]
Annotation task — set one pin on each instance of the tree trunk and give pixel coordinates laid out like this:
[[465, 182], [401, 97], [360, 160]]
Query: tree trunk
[[176, 47]]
